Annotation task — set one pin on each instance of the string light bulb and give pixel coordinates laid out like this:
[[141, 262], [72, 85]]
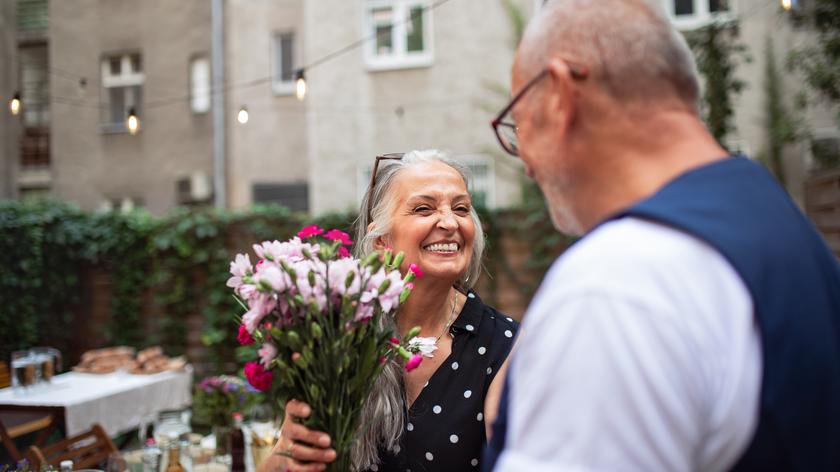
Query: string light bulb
[[14, 104], [132, 122], [300, 85], [242, 116], [787, 5]]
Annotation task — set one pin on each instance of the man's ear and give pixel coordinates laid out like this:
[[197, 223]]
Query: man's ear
[[561, 99]]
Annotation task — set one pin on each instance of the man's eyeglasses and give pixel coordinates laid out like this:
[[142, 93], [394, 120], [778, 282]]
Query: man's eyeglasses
[[394, 156], [504, 125]]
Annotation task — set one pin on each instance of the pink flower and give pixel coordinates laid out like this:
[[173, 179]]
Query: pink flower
[[410, 285], [270, 273], [415, 269], [409, 366], [258, 377], [267, 353], [337, 235], [309, 231], [239, 268], [244, 337], [343, 252], [260, 305]]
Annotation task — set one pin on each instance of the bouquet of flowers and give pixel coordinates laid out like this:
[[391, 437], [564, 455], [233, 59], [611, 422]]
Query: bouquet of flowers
[[318, 315], [217, 398]]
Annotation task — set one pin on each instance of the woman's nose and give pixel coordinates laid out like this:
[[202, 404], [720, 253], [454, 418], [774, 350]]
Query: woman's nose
[[447, 220]]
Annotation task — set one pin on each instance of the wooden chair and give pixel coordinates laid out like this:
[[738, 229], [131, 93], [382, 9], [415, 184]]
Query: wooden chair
[[14, 424], [86, 450], [5, 378]]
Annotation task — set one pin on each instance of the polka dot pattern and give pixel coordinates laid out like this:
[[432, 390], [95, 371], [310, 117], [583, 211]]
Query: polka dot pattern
[[445, 427]]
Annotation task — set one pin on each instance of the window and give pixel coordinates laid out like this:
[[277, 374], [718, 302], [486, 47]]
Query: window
[[294, 196], [688, 14], [400, 33], [482, 185], [200, 85], [122, 85], [283, 73]]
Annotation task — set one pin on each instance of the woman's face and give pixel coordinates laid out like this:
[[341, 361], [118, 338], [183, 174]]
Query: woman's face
[[431, 220]]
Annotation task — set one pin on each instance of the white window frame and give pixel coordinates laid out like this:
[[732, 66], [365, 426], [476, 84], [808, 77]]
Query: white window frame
[[126, 78], [488, 183], [400, 58], [701, 16], [200, 97], [279, 86]]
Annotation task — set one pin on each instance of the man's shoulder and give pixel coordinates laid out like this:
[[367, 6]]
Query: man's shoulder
[[646, 262]]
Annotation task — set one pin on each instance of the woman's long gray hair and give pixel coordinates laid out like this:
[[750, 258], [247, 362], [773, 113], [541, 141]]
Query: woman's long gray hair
[[383, 416]]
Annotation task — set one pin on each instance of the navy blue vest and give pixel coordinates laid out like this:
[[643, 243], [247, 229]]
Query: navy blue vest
[[794, 280]]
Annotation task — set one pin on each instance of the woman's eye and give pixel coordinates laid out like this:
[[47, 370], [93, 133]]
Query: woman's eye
[[422, 209], [463, 209]]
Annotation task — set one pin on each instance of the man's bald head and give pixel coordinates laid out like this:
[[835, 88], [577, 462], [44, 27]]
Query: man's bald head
[[629, 46]]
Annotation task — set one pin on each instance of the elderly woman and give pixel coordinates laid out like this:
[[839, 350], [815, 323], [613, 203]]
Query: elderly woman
[[437, 416]]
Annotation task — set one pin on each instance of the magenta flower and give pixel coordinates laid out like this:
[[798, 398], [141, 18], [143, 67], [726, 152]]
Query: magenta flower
[[415, 269], [337, 235], [343, 252], [244, 337], [412, 363], [309, 231], [258, 377]]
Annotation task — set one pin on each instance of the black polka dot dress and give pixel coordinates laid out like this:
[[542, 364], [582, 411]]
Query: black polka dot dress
[[445, 425]]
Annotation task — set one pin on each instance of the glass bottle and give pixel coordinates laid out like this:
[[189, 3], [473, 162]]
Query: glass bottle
[[175, 458], [237, 445]]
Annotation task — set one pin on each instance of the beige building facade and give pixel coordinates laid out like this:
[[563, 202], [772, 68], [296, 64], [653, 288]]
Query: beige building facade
[[382, 76]]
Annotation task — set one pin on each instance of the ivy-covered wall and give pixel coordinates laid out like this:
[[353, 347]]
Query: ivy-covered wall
[[76, 280]]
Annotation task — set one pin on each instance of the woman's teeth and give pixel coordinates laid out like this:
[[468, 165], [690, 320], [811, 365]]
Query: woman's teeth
[[449, 247]]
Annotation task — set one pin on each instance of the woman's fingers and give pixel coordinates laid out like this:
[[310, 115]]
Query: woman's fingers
[[297, 409], [303, 453], [300, 433], [295, 466]]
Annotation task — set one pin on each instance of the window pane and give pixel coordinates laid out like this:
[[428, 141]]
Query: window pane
[[718, 5], [115, 65], [382, 20], [116, 105], [200, 85], [286, 57], [414, 30], [683, 7], [136, 63]]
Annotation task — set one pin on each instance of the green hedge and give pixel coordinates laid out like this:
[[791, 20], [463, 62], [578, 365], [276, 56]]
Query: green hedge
[[175, 266], [46, 247]]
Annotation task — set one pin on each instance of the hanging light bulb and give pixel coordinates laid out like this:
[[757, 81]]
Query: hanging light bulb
[[300, 84], [242, 116], [787, 5], [14, 104], [132, 122]]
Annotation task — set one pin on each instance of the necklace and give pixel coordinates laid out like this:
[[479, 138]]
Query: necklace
[[451, 318], [427, 346]]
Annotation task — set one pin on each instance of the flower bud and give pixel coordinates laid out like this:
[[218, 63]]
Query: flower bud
[[413, 332], [317, 332], [384, 287], [398, 260]]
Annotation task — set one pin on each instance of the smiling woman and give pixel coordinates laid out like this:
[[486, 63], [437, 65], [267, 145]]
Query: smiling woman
[[437, 416]]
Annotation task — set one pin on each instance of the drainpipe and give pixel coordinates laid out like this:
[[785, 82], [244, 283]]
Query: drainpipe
[[218, 81]]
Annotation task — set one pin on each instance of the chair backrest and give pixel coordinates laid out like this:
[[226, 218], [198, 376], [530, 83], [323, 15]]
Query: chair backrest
[[86, 450], [5, 378]]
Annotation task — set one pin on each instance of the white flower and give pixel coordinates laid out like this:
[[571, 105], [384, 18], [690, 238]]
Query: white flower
[[424, 346]]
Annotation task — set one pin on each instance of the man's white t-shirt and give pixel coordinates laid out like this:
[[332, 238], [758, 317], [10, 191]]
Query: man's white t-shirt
[[639, 353]]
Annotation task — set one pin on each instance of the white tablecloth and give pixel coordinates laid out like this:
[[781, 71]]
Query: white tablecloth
[[119, 402]]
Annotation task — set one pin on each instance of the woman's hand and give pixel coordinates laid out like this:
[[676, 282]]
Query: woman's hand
[[299, 448]]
